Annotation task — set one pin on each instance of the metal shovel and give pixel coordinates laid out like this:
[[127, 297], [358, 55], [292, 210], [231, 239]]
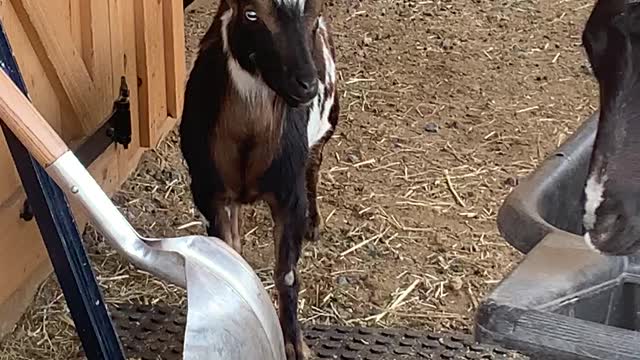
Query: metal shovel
[[230, 315]]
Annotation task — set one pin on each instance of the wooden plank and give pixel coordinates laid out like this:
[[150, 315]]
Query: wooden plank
[[9, 181], [167, 125], [103, 70], [21, 249], [174, 55], [9, 189], [116, 30], [16, 303], [124, 61], [43, 95], [42, 141], [45, 31], [95, 47], [87, 33], [75, 17], [151, 68]]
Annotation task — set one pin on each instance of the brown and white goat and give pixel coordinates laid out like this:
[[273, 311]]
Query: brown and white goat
[[260, 104]]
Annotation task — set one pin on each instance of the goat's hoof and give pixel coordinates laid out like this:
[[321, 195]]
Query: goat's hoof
[[238, 248], [300, 352], [239, 251], [313, 234]]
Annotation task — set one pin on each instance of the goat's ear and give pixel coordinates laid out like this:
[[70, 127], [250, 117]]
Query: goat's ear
[[595, 33], [233, 4], [602, 14]]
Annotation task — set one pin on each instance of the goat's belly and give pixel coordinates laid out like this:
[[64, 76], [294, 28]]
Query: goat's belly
[[241, 169], [246, 196], [318, 124], [242, 191]]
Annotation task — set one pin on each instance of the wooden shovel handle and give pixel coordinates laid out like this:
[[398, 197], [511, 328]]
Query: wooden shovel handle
[[26, 122]]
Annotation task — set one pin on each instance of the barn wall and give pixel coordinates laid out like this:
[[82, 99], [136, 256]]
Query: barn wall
[[72, 64]]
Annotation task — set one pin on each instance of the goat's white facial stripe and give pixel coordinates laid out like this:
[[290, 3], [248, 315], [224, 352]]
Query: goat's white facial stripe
[[225, 18], [319, 113], [293, 4], [289, 278], [594, 196], [587, 240], [251, 87], [318, 117]]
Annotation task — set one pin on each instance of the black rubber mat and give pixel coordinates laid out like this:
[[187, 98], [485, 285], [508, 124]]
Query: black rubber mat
[[157, 332]]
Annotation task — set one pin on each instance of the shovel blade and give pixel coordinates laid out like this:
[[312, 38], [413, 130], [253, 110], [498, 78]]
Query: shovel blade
[[230, 314]]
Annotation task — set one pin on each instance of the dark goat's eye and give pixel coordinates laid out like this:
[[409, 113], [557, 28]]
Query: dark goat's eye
[[251, 15]]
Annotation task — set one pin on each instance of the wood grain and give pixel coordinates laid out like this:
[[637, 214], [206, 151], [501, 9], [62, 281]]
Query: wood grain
[[102, 69], [123, 11], [174, 55], [22, 251], [151, 69], [64, 57], [28, 124]]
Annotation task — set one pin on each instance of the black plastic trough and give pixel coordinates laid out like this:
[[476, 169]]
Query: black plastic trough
[[563, 301]]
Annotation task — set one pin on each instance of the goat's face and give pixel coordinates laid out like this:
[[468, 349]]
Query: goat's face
[[272, 39]]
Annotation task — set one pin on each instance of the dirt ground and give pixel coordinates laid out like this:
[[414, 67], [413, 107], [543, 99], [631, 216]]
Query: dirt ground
[[446, 104]]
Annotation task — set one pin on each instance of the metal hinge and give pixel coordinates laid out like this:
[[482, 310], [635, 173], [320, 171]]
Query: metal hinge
[[120, 119]]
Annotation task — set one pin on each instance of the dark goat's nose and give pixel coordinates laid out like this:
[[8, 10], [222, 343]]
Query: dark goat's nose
[[309, 85]]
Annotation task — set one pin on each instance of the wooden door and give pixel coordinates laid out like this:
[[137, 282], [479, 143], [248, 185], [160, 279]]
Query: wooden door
[[159, 30], [72, 54]]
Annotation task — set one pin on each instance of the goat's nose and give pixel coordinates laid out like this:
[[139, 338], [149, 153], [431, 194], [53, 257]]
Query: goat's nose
[[309, 85]]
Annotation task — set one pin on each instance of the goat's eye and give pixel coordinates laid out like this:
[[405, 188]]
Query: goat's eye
[[251, 15]]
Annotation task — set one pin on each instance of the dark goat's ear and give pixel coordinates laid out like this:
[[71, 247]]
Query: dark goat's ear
[[610, 37], [595, 33], [233, 4]]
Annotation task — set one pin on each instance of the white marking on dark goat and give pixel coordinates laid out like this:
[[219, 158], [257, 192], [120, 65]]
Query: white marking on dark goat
[[205, 221], [251, 87], [587, 240], [319, 113], [594, 191], [293, 4], [289, 278], [227, 209]]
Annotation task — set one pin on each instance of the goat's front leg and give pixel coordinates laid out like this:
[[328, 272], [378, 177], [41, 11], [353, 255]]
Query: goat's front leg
[[314, 218], [315, 221], [204, 198], [224, 224], [236, 223], [289, 218]]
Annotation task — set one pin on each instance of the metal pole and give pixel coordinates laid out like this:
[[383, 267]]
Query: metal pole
[[62, 240]]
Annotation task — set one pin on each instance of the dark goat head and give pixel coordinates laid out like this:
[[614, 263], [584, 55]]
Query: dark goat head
[[271, 41]]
